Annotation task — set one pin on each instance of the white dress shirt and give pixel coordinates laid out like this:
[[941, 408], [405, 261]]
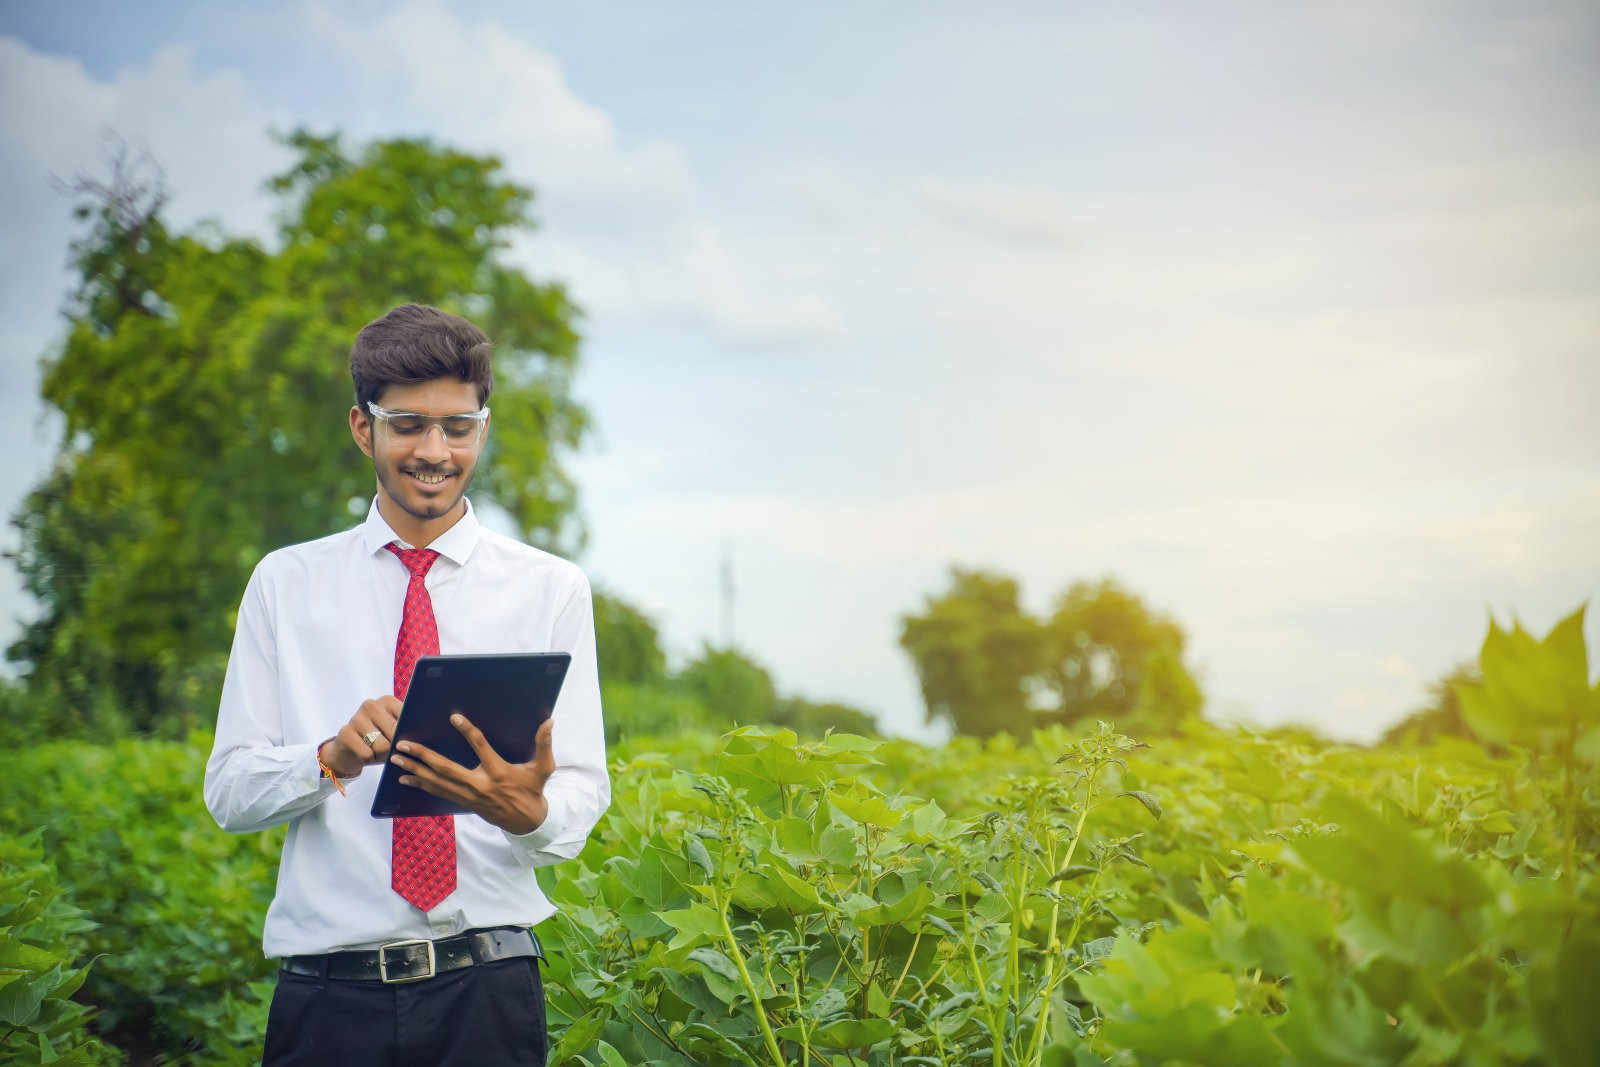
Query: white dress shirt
[[315, 637]]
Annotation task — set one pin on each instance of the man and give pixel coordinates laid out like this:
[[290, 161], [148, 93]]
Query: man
[[327, 634]]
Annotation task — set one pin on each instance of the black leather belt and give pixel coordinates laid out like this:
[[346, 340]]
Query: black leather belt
[[412, 961]]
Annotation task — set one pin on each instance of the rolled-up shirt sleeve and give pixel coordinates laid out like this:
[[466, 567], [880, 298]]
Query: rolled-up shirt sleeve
[[580, 789], [253, 780]]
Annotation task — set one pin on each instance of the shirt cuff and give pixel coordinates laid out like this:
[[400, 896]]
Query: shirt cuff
[[556, 821]]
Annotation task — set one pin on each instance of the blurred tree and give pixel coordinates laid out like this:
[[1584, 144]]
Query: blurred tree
[[738, 691], [987, 666], [735, 688], [976, 653], [655, 711], [1168, 694], [1441, 716], [626, 642], [204, 381], [813, 719], [1107, 653]]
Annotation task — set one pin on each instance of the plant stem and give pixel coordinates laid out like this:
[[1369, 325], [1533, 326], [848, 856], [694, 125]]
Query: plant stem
[[915, 941], [749, 986], [977, 971], [1053, 945]]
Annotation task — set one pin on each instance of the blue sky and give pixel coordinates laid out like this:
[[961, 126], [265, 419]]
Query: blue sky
[[1286, 318]]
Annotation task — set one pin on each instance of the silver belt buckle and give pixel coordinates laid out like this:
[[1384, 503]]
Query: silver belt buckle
[[383, 962]]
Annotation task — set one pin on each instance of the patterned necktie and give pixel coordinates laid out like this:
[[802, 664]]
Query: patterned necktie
[[423, 859]]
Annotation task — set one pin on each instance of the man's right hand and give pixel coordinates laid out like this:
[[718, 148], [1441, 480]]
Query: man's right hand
[[348, 751]]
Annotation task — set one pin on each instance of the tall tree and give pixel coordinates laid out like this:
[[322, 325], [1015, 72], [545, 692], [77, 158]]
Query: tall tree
[[204, 381], [733, 686], [976, 653], [1441, 716], [627, 643], [986, 665], [1101, 644], [738, 691]]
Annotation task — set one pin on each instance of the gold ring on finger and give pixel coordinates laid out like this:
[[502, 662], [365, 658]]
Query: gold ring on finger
[[371, 737]]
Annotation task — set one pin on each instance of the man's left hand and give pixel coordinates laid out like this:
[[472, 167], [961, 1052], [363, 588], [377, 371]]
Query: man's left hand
[[509, 795]]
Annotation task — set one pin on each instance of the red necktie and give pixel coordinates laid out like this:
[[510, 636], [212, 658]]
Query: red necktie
[[424, 851]]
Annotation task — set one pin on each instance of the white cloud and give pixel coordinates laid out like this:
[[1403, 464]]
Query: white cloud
[[209, 135], [627, 222]]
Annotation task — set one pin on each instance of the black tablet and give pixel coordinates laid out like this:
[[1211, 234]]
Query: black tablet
[[508, 696]]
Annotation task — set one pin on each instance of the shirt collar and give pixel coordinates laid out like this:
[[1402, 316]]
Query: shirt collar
[[455, 544]]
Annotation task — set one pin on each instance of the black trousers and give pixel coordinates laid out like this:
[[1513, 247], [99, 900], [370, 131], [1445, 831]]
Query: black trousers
[[489, 1014]]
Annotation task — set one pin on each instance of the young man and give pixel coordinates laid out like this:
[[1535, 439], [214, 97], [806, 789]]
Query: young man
[[327, 635]]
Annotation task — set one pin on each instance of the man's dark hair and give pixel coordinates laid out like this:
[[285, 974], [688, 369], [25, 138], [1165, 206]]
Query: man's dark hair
[[415, 343]]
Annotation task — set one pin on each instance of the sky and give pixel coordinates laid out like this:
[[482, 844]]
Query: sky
[[1285, 316]]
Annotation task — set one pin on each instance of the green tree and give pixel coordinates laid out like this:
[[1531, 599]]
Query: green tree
[[977, 654], [203, 382], [986, 665], [1168, 694], [810, 718], [1102, 646], [1441, 716], [734, 687], [626, 642]]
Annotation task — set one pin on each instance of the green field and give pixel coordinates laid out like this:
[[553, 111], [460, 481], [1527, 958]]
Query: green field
[[1217, 897]]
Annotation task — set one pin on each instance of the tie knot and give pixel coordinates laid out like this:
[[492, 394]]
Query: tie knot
[[416, 560]]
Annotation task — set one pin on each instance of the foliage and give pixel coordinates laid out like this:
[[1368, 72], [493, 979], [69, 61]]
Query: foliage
[[975, 649], [633, 711], [776, 906], [626, 642], [810, 718], [1214, 897], [1536, 693], [1441, 716], [789, 902], [38, 975], [736, 690], [985, 665], [1101, 642], [203, 384], [176, 903], [734, 687]]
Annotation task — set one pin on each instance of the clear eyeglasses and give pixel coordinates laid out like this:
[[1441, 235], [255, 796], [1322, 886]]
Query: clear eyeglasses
[[459, 430]]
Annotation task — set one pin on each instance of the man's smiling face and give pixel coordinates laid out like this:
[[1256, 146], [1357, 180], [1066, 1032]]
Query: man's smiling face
[[425, 475]]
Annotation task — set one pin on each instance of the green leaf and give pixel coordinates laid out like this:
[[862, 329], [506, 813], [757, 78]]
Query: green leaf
[[796, 838], [695, 924], [579, 1036], [955, 1003], [1151, 804], [720, 974], [698, 855], [852, 1033], [910, 906], [795, 893], [1379, 857], [871, 809], [1562, 993], [837, 846], [753, 892], [20, 999]]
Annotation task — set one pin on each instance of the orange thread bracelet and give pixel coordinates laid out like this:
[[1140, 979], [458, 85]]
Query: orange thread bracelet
[[329, 771]]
